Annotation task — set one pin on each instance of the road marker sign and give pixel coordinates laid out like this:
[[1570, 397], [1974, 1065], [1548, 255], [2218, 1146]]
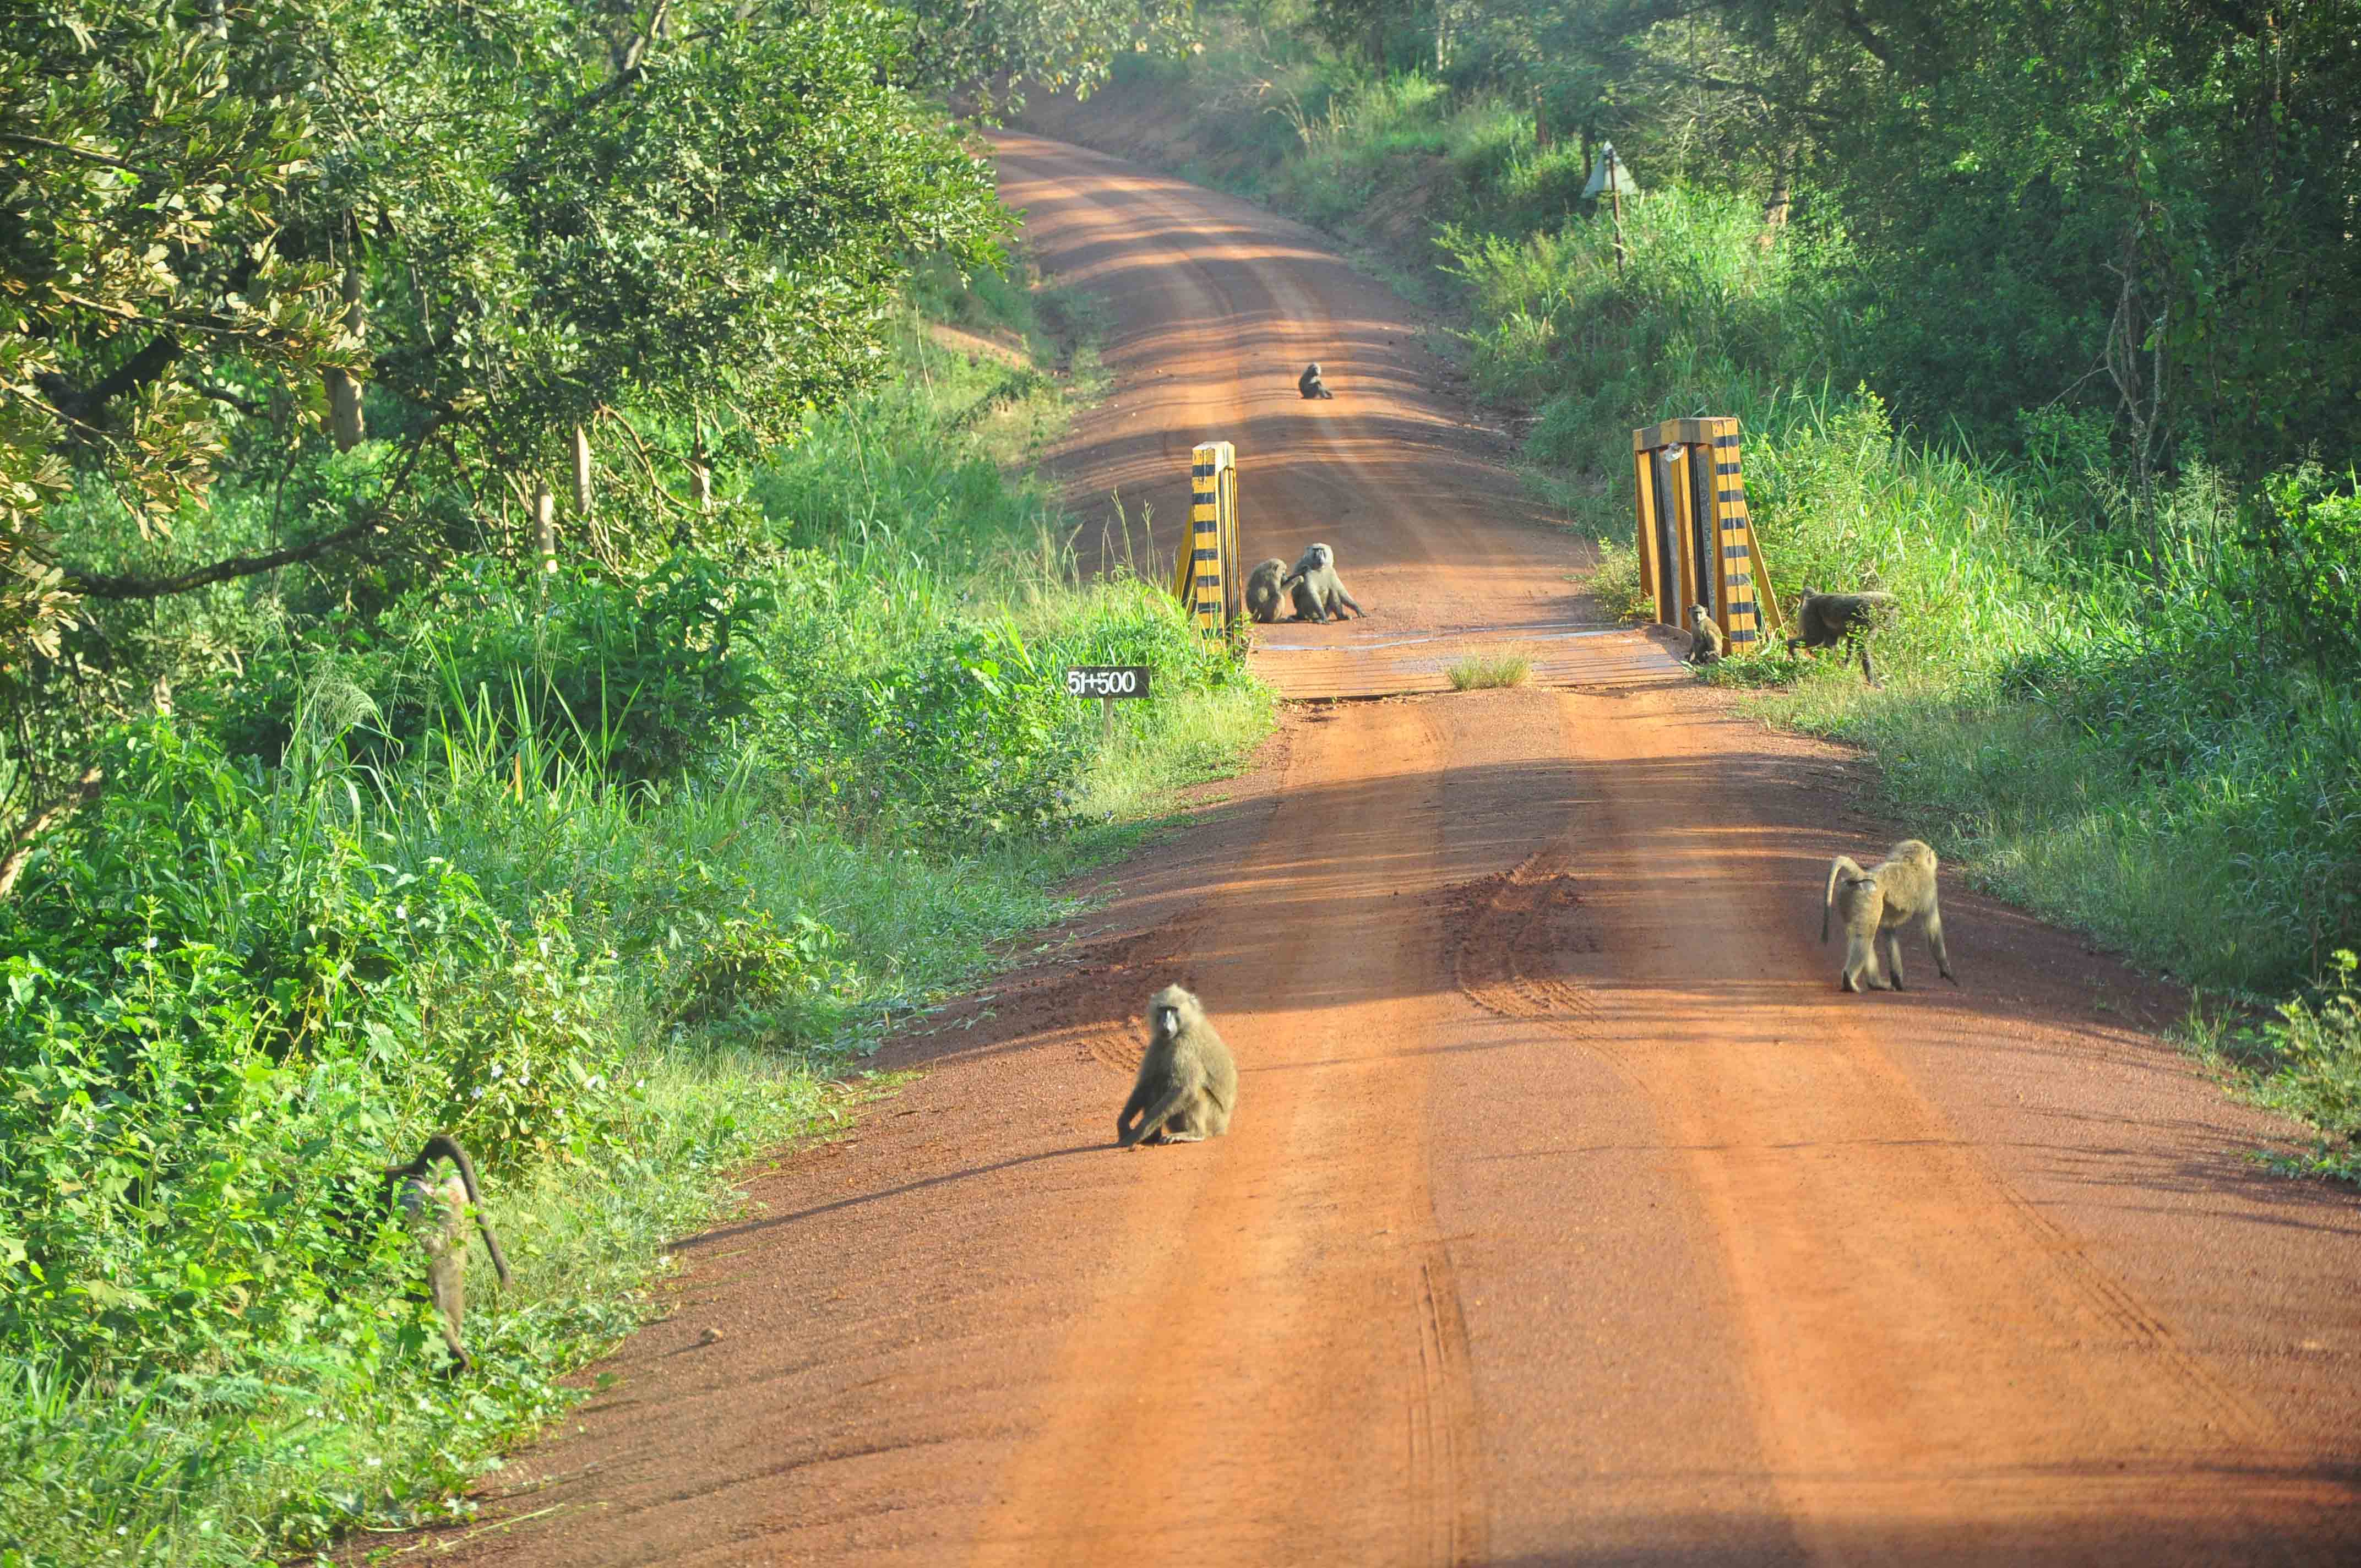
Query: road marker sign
[[1205, 576], [1695, 543]]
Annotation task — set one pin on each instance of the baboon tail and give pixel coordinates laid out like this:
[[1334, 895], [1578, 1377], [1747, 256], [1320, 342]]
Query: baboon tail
[[443, 1146], [1841, 865]]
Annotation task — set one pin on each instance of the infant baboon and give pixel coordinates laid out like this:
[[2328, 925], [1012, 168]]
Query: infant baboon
[[1310, 385], [1882, 901], [1826, 620], [1187, 1085], [435, 1212], [1319, 592], [1704, 639], [1265, 590]]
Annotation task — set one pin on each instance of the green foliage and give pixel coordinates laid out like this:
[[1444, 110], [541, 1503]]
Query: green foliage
[[2299, 568], [368, 271], [601, 869], [2306, 1061], [1475, 674]]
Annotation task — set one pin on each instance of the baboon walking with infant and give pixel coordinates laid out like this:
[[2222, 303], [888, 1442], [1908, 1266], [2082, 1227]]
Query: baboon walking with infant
[[1187, 1084], [1898, 892]]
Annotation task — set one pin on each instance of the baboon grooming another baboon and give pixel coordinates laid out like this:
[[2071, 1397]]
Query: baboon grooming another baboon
[[1882, 901], [1824, 620], [1704, 639], [1187, 1085], [1265, 590], [1310, 385], [436, 1213], [1319, 592]]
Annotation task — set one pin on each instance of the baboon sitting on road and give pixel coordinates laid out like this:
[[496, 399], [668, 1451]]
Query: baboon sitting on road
[[1187, 1084], [1265, 590], [1881, 901], [1319, 592], [1704, 639], [1310, 385]]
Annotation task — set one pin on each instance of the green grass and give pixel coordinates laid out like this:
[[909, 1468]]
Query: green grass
[[649, 977], [1478, 672]]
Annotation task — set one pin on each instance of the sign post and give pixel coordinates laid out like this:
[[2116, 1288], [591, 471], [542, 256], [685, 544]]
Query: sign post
[[1110, 683], [1206, 576], [1695, 543]]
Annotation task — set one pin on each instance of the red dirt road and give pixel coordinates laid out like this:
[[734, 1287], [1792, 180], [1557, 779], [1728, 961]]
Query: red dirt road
[[1569, 1215]]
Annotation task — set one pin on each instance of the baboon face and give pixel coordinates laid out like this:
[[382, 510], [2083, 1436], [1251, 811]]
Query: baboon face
[[1166, 1018], [1320, 555]]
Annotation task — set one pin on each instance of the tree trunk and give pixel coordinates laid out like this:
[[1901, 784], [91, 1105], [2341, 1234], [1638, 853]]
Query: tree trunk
[[582, 473], [345, 426], [545, 519], [1541, 121], [1774, 211]]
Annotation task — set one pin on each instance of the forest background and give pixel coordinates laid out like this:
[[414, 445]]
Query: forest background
[[520, 611]]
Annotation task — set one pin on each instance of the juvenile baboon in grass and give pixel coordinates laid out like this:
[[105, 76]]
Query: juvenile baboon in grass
[[1705, 637], [1319, 592], [1310, 385], [1827, 621], [1187, 1085], [435, 1212], [1265, 595], [1882, 901]]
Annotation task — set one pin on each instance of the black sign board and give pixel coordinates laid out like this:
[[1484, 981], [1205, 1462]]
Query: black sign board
[[1107, 680]]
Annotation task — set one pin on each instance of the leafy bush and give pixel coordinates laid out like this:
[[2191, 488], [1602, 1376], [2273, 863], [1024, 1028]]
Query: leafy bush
[[640, 680], [2308, 1061], [218, 998]]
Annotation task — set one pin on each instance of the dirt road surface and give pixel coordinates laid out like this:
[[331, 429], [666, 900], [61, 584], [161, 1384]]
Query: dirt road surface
[[1569, 1215]]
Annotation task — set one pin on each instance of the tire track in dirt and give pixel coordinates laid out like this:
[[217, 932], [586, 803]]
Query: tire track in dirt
[[1236, 1336]]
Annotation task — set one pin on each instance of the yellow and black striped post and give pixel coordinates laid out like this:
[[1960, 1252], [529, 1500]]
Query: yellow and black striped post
[[1696, 545], [1207, 575]]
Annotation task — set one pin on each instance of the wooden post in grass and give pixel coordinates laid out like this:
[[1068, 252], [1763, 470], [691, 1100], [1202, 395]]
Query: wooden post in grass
[[1697, 544]]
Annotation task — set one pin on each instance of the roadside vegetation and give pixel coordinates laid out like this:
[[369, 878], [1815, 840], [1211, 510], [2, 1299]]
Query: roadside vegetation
[[2045, 328], [1481, 671], [522, 612]]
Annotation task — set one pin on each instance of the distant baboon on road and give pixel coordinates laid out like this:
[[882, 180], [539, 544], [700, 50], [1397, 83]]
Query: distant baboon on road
[[1187, 1084], [1319, 592], [1898, 892], [1826, 620], [1310, 385], [1265, 591]]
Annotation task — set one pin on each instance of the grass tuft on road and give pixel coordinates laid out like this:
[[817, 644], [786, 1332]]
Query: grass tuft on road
[[1480, 670]]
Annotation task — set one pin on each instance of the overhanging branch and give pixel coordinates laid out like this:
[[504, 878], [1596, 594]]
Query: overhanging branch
[[107, 585], [1863, 35]]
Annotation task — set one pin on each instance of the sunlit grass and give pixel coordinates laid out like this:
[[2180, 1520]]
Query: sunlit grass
[[1479, 671]]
